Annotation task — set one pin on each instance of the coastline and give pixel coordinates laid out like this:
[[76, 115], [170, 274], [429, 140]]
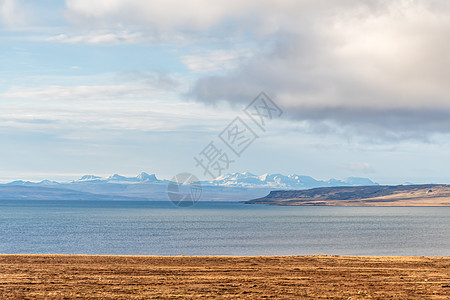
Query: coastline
[[354, 204], [425, 195], [147, 277]]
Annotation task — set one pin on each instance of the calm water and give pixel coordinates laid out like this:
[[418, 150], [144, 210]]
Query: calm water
[[159, 228]]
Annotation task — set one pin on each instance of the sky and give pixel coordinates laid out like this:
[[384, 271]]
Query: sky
[[125, 86]]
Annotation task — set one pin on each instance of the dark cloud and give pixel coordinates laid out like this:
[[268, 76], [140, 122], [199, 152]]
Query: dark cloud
[[379, 71]]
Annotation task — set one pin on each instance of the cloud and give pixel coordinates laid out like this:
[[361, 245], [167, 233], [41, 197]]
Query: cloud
[[133, 100], [361, 167], [375, 68], [100, 92], [371, 68], [11, 14], [187, 21], [217, 60], [99, 37], [161, 14], [264, 16], [130, 85], [63, 109]]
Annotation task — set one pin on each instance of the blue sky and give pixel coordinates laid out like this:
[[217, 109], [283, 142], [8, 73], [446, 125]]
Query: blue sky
[[103, 87]]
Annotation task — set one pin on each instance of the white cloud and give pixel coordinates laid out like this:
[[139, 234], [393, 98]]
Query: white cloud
[[371, 67], [264, 16], [217, 60], [11, 14], [100, 37], [152, 105], [164, 14], [178, 20], [348, 54], [130, 85], [360, 167], [374, 67], [99, 92]]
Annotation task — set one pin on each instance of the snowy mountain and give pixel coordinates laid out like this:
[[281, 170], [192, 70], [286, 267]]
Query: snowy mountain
[[116, 178], [89, 178], [279, 181], [230, 187], [244, 180], [43, 182]]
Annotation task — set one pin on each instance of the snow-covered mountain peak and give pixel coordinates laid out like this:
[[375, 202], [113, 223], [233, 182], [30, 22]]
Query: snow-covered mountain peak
[[116, 178], [146, 177], [89, 178], [280, 181]]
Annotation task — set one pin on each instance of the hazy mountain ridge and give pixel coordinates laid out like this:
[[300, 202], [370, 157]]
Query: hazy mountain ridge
[[231, 187], [14, 192], [245, 179]]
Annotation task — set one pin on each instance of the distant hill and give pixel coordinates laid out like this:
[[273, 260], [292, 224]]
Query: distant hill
[[144, 187], [381, 195], [20, 192]]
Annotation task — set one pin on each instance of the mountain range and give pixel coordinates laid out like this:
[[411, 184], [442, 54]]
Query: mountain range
[[280, 181], [230, 187], [245, 179]]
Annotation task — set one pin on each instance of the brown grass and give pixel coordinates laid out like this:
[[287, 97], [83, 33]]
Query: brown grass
[[265, 277]]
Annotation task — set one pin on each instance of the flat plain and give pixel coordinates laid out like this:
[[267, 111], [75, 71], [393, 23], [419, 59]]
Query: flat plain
[[225, 277]]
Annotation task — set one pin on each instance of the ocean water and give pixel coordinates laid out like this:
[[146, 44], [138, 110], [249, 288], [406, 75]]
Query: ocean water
[[212, 228]]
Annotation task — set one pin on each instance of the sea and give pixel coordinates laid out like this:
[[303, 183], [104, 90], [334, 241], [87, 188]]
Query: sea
[[220, 228]]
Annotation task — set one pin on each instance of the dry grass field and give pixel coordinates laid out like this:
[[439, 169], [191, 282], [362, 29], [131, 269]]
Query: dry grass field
[[185, 277]]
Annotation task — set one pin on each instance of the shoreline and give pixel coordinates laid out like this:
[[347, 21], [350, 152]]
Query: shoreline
[[235, 277], [348, 205], [422, 195], [2, 255]]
